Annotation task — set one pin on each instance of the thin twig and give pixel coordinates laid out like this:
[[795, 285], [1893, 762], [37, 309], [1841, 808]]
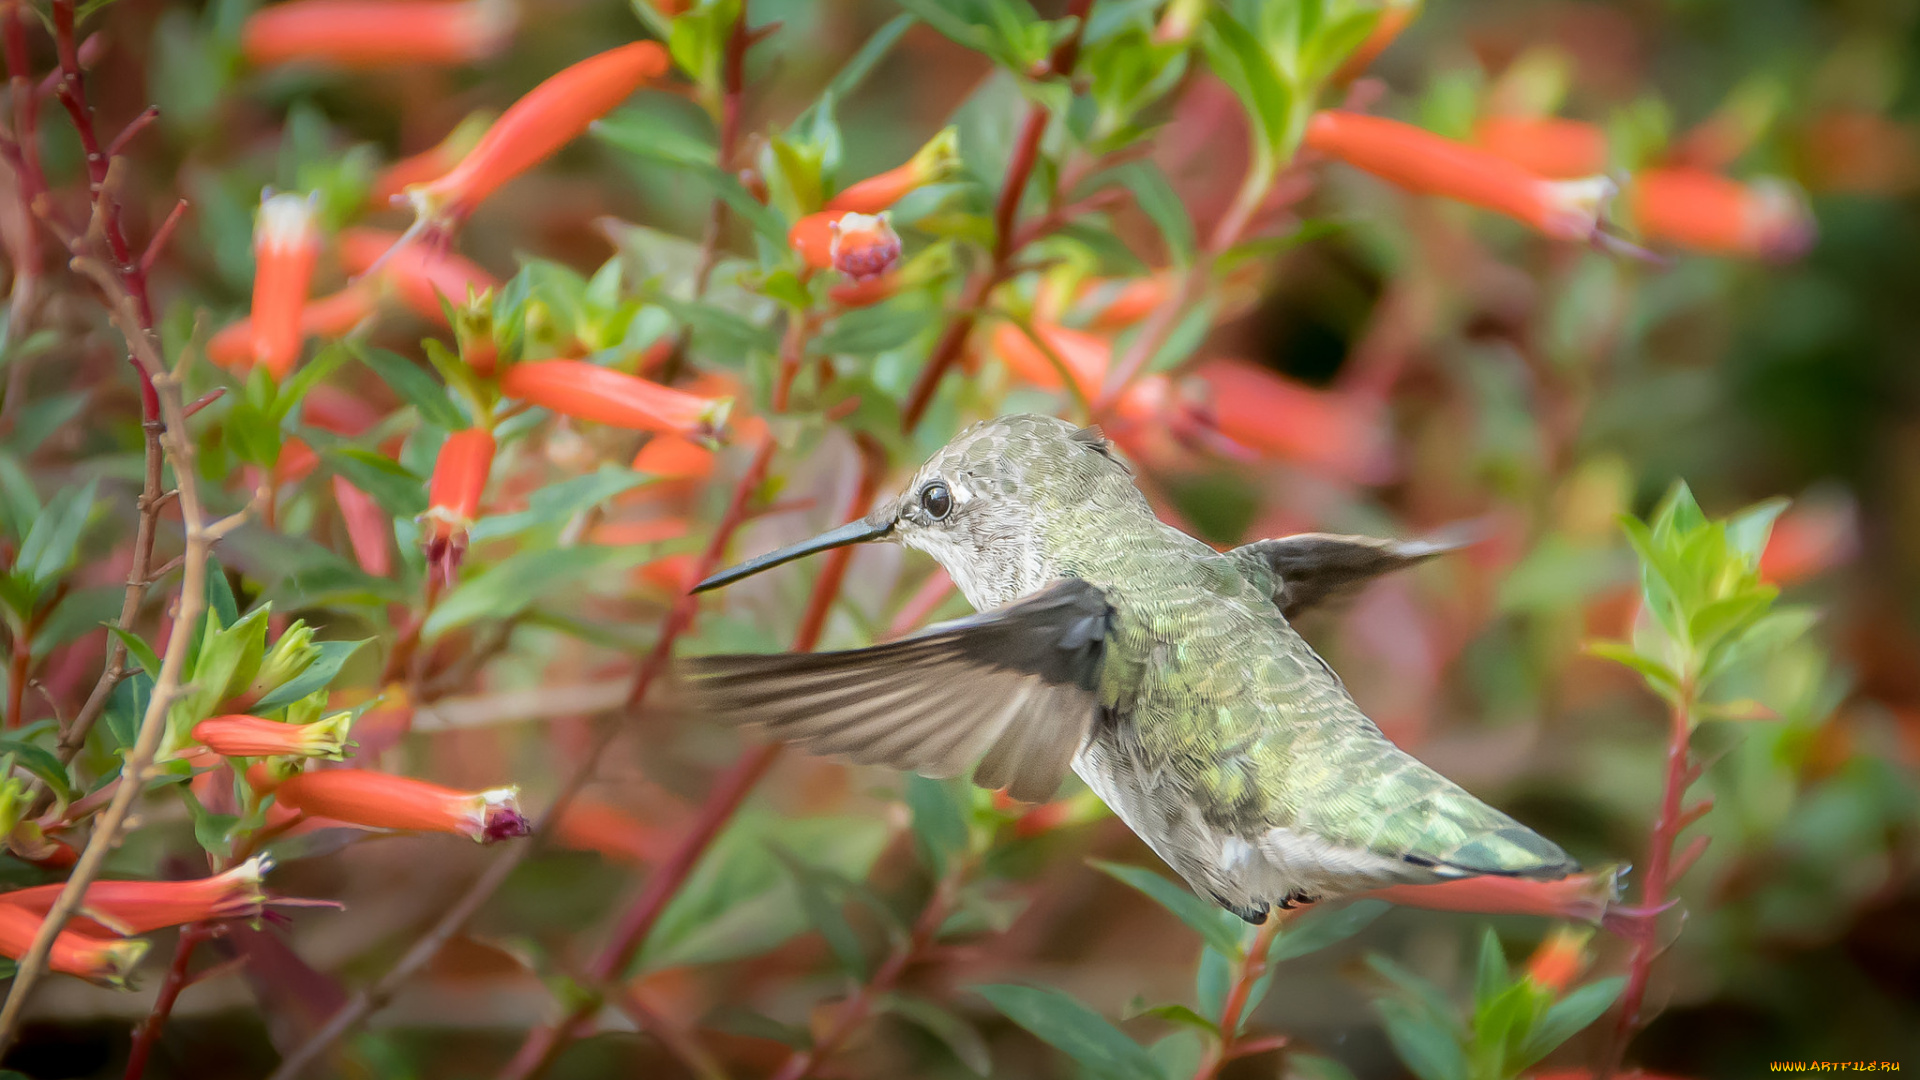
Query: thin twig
[[148, 1033], [1246, 973], [677, 1040], [138, 769]]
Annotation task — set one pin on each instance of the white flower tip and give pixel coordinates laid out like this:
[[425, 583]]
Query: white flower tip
[[285, 223]]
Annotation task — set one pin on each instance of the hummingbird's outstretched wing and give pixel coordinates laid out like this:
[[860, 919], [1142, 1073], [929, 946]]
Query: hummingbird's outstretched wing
[[1014, 687], [1309, 569]]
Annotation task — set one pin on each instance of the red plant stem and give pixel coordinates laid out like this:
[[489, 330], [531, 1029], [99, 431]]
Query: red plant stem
[[148, 1033], [72, 92], [1249, 970], [1653, 893], [801, 1063], [1026, 154], [544, 1044]]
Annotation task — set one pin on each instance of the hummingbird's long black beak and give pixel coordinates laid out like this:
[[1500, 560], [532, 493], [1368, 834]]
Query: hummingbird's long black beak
[[853, 532]]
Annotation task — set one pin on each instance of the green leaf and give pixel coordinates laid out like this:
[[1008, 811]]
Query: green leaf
[[1567, 1018], [1211, 979], [213, 832], [719, 328], [221, 603], [53, 540], [1419, 993], [644, 134], [137, 648], [1316, 1067], [958, 1035], [939, 823], [506, 588], [861, 64], [1319, 929], [414, 385], [1203, 918], [1163, 206], [41, 762], [1179, 1014], [1491, 976], [1747, 531], [333, 655], [127, 707], [823, 911], [1658, 675], [389, 483], [1240, 61], [1071, 1027], [866, 331], [1427, 1048], [311, 374]]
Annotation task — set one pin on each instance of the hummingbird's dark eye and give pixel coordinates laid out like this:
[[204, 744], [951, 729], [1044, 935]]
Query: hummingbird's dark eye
[[936, 500]]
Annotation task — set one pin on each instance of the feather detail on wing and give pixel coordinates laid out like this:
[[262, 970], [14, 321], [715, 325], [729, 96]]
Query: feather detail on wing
[[1015, 688]]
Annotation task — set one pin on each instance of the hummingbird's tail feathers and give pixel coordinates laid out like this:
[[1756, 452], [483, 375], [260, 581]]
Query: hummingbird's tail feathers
[[1308, 570], [1509, 851], [1015, 684]]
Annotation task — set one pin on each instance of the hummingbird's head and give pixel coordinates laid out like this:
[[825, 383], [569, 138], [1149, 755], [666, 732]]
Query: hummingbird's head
[[978, 506]]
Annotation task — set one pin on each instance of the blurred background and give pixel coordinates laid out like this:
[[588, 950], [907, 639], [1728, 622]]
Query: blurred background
[[1386, 363]]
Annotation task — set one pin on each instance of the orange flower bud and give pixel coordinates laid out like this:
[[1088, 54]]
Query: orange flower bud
[[459, 479], [1706, 212], [533, 128], [932, 163], [863, 245], [1560, 959], [865, 292], [420, 273], [812, 238], [1275, 416], [377, 33], [630, 533], [251, 736], [367, 528], [1396, 16], [139, 907], [333, 316], [429, 164], [285, 247], [1577, 897], [1548, 146], [376, 800], [587, 391], [101, 960], [594, 826], [671, 457], [1421, 161], [1084, 356]]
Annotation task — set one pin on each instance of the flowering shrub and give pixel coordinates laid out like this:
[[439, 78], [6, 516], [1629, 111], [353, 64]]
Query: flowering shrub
[[368, 410]]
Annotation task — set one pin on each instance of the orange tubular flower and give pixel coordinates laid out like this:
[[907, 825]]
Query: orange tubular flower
[[865, 292], [1577, 897], [1266, 413], [333, 316], [1084, 356], [594, 826], [1121, 303], [375, 800], [931, 164], [587, 391], [429, 164], [1559, 959], [377, 33], [459, 479], [285, 247], [551, 115], [1811, 537], [1421, 161], [101, 960], [1548, 146], [1706, 212], [812, 237], [860, 246], [419, 273], [251, 736], [139, 907], [367, 529]]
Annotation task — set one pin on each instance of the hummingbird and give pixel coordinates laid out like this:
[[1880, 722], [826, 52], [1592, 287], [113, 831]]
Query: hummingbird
[[1166, 674]]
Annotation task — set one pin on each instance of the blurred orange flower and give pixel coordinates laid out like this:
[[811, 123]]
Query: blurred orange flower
[[1577, 897], [421, 274], [285, 247], [138, 907], [101, 960], [333, 316], [252, 736], [1548, 146], [1421, 161], [930, 164], [1709, 213], [1326, 430], [534, 127], [453, 498], [377, 33]]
